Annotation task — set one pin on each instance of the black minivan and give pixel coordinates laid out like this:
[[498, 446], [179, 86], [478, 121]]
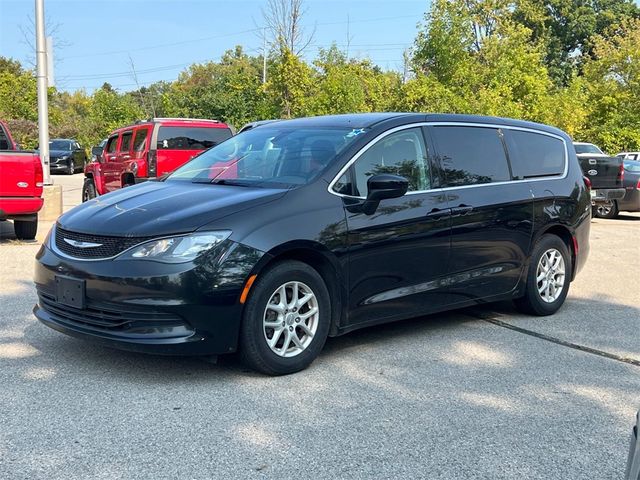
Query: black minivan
[[301, 229]]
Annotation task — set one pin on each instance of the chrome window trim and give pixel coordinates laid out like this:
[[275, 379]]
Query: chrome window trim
[[453, 124]]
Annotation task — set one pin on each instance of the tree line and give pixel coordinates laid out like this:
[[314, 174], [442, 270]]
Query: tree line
[[574, 64]]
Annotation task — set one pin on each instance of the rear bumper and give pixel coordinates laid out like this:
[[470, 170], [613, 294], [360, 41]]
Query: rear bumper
[[18, 207], [606, 195]]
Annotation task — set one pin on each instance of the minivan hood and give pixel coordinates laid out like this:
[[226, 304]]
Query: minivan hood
[[162, 208]]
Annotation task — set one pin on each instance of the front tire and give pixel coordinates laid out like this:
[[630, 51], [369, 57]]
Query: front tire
[[25, 229], [548, 277], [88, 190], [607, 210], [286, 319], [71, 169]]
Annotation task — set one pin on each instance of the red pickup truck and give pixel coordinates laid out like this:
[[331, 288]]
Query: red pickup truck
[[20, 186]]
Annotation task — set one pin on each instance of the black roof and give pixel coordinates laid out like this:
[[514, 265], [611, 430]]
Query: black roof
[[368, 120]]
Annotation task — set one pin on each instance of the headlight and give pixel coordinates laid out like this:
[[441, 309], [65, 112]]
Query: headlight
[[134, 168], [64, 157], [176, 249]]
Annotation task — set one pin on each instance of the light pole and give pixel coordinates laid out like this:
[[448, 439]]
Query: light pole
[[43, 106]]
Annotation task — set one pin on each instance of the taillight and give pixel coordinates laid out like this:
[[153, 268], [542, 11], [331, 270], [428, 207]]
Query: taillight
[[638, 185], [587, 182], [621, 173], [152, 163], [38, 174]]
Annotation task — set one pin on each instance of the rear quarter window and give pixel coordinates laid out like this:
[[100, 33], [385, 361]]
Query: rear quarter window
[[535, 154], [190, 138]]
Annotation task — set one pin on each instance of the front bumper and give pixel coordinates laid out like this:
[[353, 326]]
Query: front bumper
[[58, 165], [151, 307]]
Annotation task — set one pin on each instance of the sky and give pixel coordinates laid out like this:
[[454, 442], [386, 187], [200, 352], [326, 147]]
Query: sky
[[97, 41]]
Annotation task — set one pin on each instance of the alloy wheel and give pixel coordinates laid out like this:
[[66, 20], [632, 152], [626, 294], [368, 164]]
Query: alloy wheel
[[290, 319], [550, 275]]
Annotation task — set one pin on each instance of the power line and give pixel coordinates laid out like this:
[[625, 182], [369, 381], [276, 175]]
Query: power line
[[98, 76], [253, 30]]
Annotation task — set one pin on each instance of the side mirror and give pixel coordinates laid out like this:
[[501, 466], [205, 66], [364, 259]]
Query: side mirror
[[381, 187], [96, 152]]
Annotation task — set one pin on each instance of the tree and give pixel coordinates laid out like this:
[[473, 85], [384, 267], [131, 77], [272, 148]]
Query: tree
[[612, 80], [567, 29], [283, 19], [289, 86]]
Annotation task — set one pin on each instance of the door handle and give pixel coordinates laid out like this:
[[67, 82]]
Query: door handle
[[438, 213], [461, 209]]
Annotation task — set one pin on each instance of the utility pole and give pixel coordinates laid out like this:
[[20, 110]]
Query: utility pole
[[43, 107], [264, 56]]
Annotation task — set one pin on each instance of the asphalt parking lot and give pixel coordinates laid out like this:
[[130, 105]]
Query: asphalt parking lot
[[482, 393]]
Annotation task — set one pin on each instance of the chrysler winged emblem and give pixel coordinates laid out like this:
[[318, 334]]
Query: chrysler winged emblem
[[79, 244]]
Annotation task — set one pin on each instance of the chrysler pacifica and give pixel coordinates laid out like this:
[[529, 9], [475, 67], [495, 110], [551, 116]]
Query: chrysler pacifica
[[297, 230]]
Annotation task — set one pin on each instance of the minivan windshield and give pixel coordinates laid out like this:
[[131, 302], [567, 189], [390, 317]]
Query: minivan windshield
[[587, 148], [268, 156]]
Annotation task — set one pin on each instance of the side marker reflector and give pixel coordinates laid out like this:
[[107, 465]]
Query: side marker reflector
[[247, 287]]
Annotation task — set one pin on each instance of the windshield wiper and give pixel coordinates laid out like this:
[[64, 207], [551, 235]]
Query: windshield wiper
[[234, 182]]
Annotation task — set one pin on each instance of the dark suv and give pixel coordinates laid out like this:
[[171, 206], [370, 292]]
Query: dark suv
[[66, 156], [302, 229]]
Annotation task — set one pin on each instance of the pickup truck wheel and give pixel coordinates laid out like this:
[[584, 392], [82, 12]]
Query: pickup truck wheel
[[286, 319], [548, 277], [88, 190], [607, 210], [25, 229]]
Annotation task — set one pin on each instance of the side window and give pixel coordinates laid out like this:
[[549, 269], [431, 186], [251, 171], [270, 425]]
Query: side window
[[470, 155], [343, 185], [139, 140], [112, 143], [125, 144], [535, 154], [191, 138], [402, 153]]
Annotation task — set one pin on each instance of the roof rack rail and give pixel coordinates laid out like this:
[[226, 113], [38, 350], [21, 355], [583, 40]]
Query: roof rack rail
[[160, 119]]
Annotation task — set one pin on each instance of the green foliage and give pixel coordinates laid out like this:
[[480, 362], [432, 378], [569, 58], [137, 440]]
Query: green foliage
[[290, 84], [570, 63], [613, 84]]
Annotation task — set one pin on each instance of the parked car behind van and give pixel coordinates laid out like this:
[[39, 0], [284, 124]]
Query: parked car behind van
[[149, 149], [302, 229], [66, 156], [631, 200]]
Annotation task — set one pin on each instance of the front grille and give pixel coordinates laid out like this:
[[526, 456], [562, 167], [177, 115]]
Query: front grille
[[111, 319], [108, 246]]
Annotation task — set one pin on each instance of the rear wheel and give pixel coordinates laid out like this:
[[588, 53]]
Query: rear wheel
[[548, 277], [25, 229], [88, 190], [286, 319], [607, 210]]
